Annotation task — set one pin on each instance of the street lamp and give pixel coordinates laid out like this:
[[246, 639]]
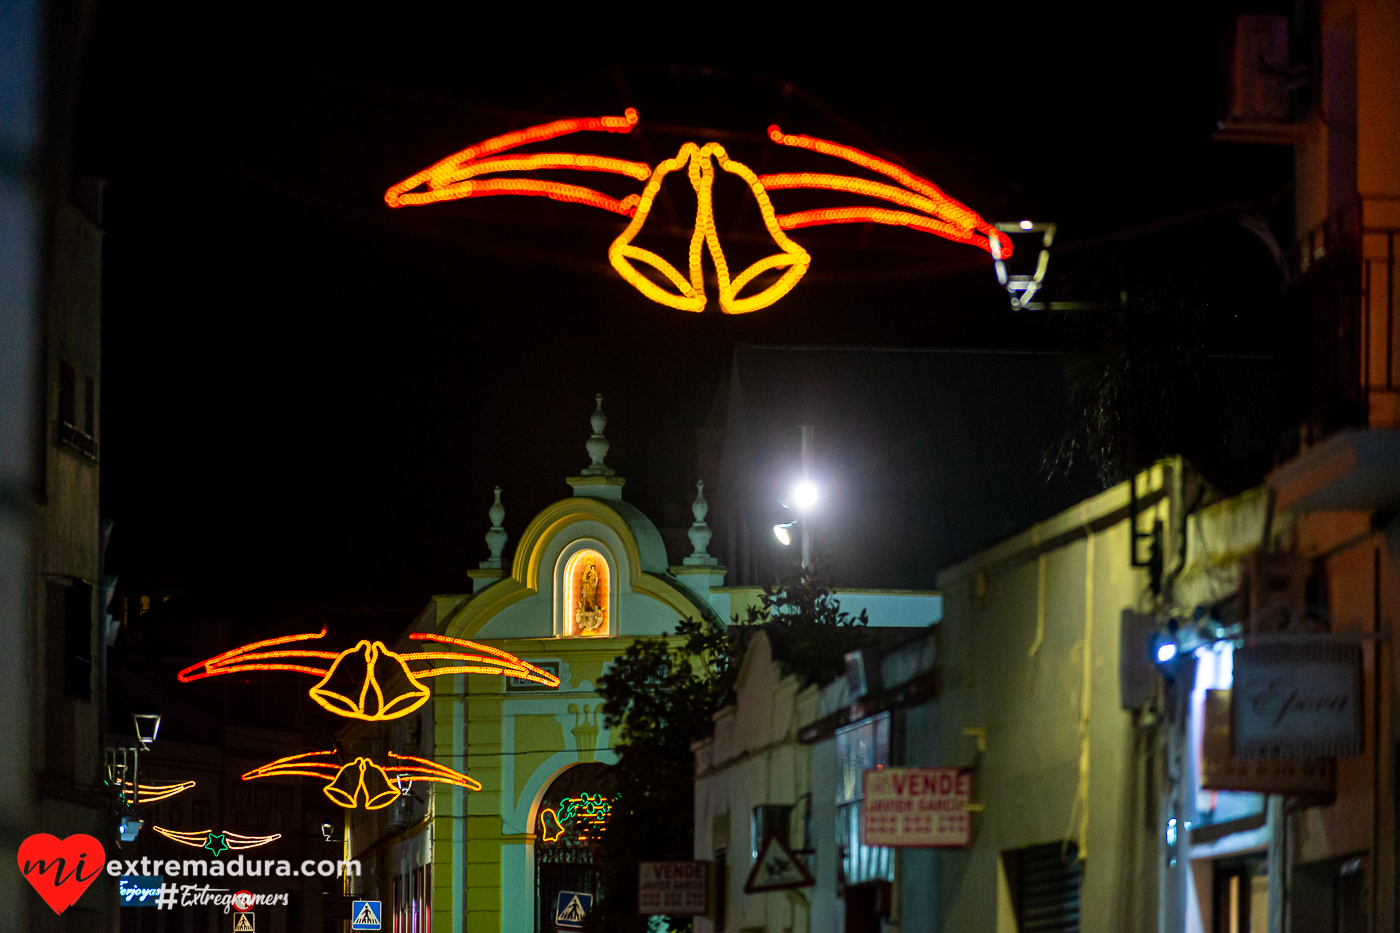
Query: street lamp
[[804, 497], [147, 728]]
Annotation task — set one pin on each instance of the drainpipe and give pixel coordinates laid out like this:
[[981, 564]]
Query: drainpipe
[[1180, 809], [807, 455]]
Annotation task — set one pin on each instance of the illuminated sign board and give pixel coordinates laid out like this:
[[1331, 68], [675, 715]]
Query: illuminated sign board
[[917, 807]]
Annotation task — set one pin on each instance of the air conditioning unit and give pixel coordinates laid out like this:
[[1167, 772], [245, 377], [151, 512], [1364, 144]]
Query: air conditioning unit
[[1136, 672], [1259, 71], [1275, 589]]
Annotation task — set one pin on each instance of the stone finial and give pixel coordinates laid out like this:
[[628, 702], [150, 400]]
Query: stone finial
[[700, 532], [585, 731], [598, 444], [496, 537]]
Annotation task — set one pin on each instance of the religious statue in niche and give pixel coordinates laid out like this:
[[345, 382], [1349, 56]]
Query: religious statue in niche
[[588, 594]]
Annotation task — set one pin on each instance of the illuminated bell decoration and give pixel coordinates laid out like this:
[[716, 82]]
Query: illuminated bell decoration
[[352, 684], [361, 778], [927, 209], [699, 161], [362, 782]]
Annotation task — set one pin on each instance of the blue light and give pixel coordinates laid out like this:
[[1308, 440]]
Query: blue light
[[1165, 652]]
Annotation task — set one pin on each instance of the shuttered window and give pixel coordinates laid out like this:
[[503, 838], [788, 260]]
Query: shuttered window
[[1044, 882]]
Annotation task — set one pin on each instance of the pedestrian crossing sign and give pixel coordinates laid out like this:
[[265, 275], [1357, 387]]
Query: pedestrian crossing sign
[[365, 915], [570, 910], [243, 923]]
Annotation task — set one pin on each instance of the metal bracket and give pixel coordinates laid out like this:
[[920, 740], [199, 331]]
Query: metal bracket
[[1153, 561]]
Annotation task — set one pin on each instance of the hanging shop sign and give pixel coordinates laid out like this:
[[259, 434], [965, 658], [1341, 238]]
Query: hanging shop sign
[[1221, 770], [917, 808], [673, 888], [921, 205], [1297, 700]]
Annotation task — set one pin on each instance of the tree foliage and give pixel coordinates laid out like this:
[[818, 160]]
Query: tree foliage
[[662, 695], [1142, 384]]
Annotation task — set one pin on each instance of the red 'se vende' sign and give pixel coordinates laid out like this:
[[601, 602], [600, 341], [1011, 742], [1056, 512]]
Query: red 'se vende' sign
[[917, 807]]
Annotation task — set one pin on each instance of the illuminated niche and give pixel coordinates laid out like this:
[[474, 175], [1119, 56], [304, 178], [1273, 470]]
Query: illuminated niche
[[587, 595]]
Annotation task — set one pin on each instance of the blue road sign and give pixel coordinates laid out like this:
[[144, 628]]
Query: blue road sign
[[366, 915], [139, 890], [571, 908]]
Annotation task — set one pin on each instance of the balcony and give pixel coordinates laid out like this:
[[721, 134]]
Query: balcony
[[76, 440], [1342, 301]]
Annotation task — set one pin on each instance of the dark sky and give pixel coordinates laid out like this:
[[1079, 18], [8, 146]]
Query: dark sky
[[309, 396]]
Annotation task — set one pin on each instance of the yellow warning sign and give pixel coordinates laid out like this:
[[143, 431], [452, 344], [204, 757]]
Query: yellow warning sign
[[244, 923]]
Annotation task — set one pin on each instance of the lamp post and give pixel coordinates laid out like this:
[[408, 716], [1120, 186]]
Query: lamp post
[[804, 497]]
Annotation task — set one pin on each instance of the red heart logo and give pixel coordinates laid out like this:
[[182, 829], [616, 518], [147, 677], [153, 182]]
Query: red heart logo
[[61, 869]]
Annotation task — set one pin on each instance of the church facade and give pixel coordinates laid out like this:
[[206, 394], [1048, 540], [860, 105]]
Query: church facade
[[589, 576]]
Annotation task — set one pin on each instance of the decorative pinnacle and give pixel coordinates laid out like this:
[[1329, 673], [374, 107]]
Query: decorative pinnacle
[[598, 445], [496, 537], [700, 532]]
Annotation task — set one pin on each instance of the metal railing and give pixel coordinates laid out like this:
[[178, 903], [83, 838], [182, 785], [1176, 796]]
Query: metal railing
[[1342, 290]]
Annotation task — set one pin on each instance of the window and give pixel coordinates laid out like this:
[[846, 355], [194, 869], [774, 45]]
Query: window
[[587, 595], [68, 432], [413, 902], [721, 887], [1242, 894], [67, 395], [77, 641], [90, 408], [860, 747]]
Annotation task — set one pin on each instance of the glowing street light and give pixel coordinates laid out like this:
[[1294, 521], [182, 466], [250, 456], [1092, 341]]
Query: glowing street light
[[782, 533], [805, 495]]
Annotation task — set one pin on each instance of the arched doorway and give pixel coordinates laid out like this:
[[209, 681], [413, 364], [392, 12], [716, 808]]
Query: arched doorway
[[571, 818]]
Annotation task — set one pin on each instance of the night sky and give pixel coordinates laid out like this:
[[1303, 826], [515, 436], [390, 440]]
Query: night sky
[[308, 396]]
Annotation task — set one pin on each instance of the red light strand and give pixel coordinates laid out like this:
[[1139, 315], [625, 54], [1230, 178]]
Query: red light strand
[[450, 178], [950, 210]]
